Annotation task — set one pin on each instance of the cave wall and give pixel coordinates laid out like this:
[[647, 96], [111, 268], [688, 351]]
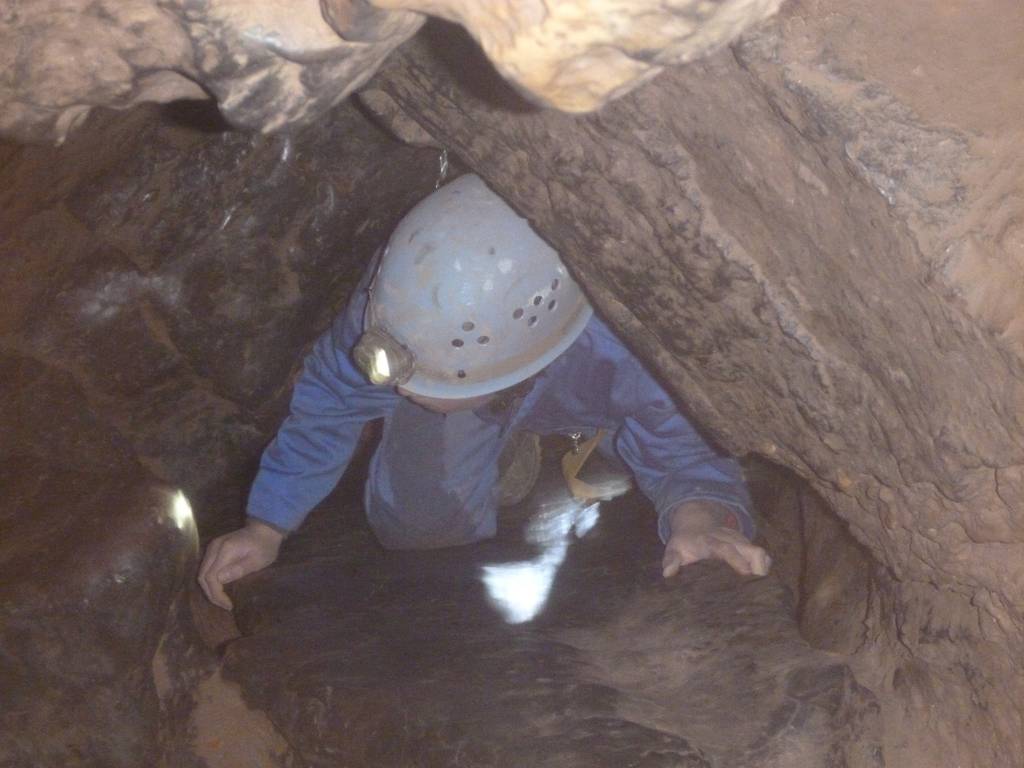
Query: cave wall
[[162, 276], [815, 238], [94, 564]]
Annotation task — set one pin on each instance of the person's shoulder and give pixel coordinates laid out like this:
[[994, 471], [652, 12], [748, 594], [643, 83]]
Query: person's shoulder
[[602, 341], [631, 377]]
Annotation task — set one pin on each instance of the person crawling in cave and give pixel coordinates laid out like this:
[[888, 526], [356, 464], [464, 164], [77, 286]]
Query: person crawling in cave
[[467, 333]]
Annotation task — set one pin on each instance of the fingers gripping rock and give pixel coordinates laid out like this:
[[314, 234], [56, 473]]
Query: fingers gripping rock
[[234, 555]]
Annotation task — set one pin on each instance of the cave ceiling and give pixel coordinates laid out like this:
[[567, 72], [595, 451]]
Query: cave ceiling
[[273, 64]]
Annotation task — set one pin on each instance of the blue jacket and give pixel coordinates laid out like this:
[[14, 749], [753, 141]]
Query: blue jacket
[[596, 383]]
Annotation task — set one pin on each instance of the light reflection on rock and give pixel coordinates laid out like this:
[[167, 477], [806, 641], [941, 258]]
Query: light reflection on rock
[[520, 590], [181, 513]]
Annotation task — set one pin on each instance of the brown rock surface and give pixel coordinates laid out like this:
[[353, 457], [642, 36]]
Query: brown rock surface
[[169, 273], [271, 64], [366, 657], [91, 564], [829, 574], [268, 64], [160, 277], [576, 55], [813, 237]]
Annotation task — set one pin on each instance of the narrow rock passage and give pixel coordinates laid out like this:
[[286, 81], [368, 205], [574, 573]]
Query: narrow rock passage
[[366, 657]]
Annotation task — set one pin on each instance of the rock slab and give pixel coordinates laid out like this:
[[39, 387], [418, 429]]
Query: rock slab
[[366, 657], [92, 564]]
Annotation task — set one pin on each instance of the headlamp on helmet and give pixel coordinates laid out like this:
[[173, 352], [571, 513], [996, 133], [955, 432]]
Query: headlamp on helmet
[[383, 359]]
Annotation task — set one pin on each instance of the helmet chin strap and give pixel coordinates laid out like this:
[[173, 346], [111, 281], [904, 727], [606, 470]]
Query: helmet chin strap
[[505, 399]]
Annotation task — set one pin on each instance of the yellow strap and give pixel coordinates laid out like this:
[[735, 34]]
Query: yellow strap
[[572, 463]]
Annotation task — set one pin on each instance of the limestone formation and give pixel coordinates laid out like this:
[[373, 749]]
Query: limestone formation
[[268, 64], [575, 55], [271, 64], [811, 236]]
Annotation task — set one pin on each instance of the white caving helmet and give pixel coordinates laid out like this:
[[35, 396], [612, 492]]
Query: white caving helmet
[[467, 299]]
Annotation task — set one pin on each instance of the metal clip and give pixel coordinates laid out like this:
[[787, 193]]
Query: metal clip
[[572, 463]]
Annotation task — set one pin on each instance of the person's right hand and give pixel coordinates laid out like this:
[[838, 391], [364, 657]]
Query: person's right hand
[[234, 555]]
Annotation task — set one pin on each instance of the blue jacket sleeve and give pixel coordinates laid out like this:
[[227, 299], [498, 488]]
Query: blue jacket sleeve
[[672, 463], [331, 402]]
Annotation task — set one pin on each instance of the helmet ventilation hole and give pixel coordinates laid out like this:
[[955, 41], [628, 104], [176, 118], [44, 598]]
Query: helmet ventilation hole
[[457, 342], [554, 284], [537, 300], [552, 304], [468, 326], [532, 321], [517, 314], [461, 373], [483, 340]]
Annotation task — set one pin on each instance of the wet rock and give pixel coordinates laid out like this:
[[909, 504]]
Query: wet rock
[[92, 563], [172, 272], [46, 415], [363, 656], [161, 277]]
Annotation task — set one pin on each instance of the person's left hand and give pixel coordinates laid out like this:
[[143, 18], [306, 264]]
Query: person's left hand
[[703, 530]]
